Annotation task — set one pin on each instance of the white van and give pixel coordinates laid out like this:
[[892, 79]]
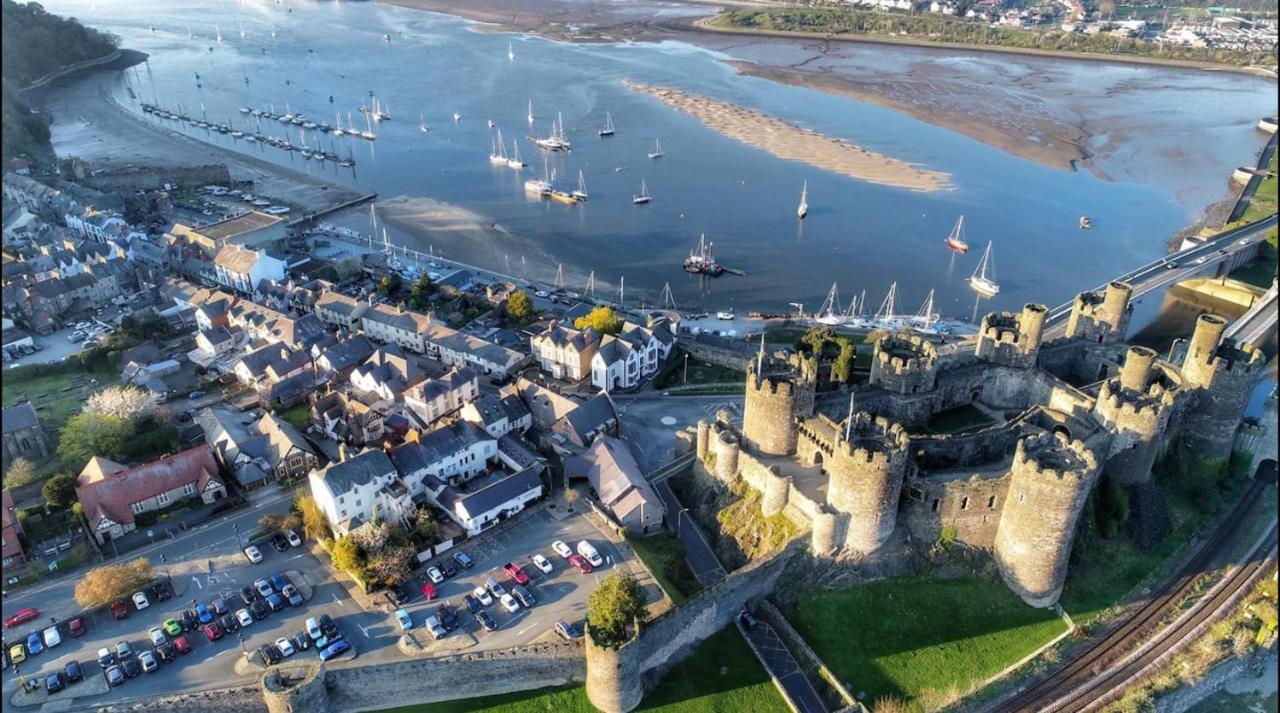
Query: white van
[[590, 553]]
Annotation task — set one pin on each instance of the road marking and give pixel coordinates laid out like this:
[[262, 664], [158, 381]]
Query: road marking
[[197, 581], [364, 631], [335, 598], [530, 626]]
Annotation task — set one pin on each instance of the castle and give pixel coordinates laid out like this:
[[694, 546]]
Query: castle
[[1065, 413]]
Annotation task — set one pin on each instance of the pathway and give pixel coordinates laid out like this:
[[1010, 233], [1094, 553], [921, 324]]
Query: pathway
[[777, 659]]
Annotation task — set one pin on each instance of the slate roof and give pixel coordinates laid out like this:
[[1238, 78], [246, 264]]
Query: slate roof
[[590, 416], [432, 389], [358, 470], [492, 496], [493, 408], [615, 476], [448, 440], [347, 353], [20, 418]]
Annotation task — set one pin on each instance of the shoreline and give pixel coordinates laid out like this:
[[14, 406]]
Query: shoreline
[[787, 141]]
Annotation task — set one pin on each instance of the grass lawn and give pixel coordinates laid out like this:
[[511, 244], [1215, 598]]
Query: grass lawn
[[960, 418], [907, 636], [722, 676], [1263, 202], [298, 416], [698, 373], [662, 554], [55, 396]]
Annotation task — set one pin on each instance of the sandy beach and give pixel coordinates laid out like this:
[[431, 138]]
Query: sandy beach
[[791, 142]]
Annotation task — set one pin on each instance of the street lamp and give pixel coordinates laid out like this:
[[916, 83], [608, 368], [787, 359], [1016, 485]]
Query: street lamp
[[686, 367], [236, 529], [243, 650]]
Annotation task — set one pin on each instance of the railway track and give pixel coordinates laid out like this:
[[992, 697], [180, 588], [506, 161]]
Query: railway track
[[1070, 681]]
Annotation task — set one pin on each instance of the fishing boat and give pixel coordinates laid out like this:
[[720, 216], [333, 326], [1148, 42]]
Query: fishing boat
[[702, 260], [657, 150], [511, 55], [422, 124], [1086, 223], [608, 126], [955, 240], [983, 279], [580, 193], [643, 196], [803, 209], [514, 161]]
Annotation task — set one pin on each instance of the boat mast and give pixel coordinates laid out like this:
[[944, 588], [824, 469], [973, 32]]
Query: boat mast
[[591, 285], [926, 312], [668, 299], [885, 312]]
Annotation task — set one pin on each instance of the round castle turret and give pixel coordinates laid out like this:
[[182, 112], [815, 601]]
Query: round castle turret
[[1102, 316], [295, 689], [866, 472], [904, 364], [614, 684], [1050, 481], [1219, 376], [773, 401], [1012, 339], [703, 440], [1137, 407], [726, 450]]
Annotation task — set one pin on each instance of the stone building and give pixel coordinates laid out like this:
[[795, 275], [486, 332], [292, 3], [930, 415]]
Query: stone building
[[1062, 415], [24, 437]]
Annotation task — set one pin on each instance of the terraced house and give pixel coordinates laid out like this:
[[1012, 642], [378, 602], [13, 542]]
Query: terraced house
[[434, 399], [565, 352], [626, 360]]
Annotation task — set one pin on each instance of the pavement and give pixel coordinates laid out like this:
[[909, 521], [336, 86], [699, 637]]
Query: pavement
[[783, 666], [54, 347], [640, 421]]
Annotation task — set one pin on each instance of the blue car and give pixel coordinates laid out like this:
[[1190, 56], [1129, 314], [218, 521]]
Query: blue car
[[275, 601], [204, 613], [337, 648], [34, 644], [464, 560], [278, 581]]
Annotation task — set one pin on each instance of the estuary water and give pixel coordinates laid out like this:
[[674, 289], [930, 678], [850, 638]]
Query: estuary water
[[861, 235]]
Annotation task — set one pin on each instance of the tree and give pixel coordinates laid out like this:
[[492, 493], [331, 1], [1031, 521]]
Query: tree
[[59, 491], [613, 608], [125, 402], [520, 307], [104, 584], [390, 566], [425, 527], [21, 472], [348, 556], [842, 367], [273, 523], [571, 496], [389, 285], [602, 319], [314, 524], [420, 295], [92, 434]]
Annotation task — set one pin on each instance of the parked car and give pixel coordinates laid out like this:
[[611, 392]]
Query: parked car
[[182, 644], [516, 574], [464, 560], [748, 619], [219, 606], [327, 627], [140, 601], [166, 652], [542, 563], [434, 575], [580, 564], [229, 623], [448, 570], [114, 675], [132, 669], [269, 655], [590, 553], [212, 632], [204, 614], [286, 647], [395, 597], [302, 642], [189, 620], [509, 603], [124, 651], [473, 604], [21, 617], [437, 631], [494, 587], [148, 661], [76, 627], [243, 617], [119, 610], [34, 644], [313, 628], [482, 594], [51, 637], [405, 621], [292, 538], [561, 549], [567, 631], [523, 596], [172, 627], [275, 601], [264, 589], [164, 591], [156, 634], [72, 672], [17, 653], [54, 682], [484, 620], [292, 595], [106, 657], [335, 649], [428, 591], [195, 395], [447, 616], [279, 543], [253, 553]]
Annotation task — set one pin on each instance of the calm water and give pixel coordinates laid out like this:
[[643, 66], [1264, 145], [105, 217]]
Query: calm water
[[862, 235]]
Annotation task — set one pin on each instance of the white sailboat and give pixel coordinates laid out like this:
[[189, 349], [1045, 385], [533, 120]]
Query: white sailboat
[[497, 150], [511, 55], [983, 279], [515, 161], [530, 111], [457, 117], [368, 130], [540, 186], [608, 126], [657, 150], [422, 124], [555, 141], [643, 196], [803, 208], [580, 192], [337, 126]]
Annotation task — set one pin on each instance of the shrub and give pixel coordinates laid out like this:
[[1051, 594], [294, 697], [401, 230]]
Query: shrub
[[614, 608], [103, 584]]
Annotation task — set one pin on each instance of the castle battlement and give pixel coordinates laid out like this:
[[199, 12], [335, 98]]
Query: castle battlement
[[774, 384], [899, 353], [1052, 457], [1101, 316], [1012, 338]]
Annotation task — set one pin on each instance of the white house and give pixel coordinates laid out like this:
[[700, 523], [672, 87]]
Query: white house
[[498, 415], [493, 503], [626, 360], [455, 453], [243, 268], [359, 489], [434, 399]]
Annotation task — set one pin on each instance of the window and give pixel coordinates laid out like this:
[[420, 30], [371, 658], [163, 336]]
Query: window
[[964, 503], [137, 508], [913, 493], [163, 498], [189, 489], [991, 502]]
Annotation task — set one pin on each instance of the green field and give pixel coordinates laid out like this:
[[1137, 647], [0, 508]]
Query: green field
[[958, 419], [298, 416], [917, 638], [664, 557], [56, 396], [722, 676], [675, 374], [1263, 202]]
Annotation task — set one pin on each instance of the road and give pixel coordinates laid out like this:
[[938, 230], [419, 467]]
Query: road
[[1254, 325], [783, 666]]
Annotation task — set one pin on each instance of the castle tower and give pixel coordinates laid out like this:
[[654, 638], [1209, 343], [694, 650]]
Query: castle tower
[[825, 537], [295, 689], [1137, 407], [1103, 316], [726, 450], [703, 440], [904, 364], [773, 402], [1012, 339], [614, 684], [1050, 481], [866, 470], [1219, 376], [777, 489]]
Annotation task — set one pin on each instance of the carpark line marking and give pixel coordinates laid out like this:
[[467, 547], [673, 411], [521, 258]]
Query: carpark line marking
[[530, 626], [197, 581], [336, 600], [364, 631]]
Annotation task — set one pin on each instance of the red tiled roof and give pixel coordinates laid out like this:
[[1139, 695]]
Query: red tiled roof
[[113, 495]]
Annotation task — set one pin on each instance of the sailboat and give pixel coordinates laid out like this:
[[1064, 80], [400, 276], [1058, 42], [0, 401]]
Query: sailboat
[[337, 127], [803, 209], [657, 150], [702, 260], [555, 141], [515, 161], [422, 124], [368, 130], [643, 196], [457, 117], [580, 193], [956, 240], [608, 126], [540, 186], [497, 150], [511, 55], [982, 280], [531, 111]]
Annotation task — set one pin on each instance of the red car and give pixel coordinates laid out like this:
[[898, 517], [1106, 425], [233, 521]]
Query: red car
[[212, 631], [515, 573], [21, 617], [428, 591], [579, 563], [182, 644], [76, 627], [119, 610]]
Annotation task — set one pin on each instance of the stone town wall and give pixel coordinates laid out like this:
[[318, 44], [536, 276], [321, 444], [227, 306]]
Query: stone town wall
[[242, 699], [295, 689], [967, 450], [720, 356], [450, 677], [972, 505]]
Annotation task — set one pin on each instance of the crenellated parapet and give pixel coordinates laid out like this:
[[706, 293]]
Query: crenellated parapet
[[1012, 338], [1101, 316], [866, 469], [774, 399], [904, 364], [1219, 376], [1050, 481], [1137, 406]]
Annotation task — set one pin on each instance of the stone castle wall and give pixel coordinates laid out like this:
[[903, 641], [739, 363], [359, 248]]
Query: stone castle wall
[[970, 504]]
